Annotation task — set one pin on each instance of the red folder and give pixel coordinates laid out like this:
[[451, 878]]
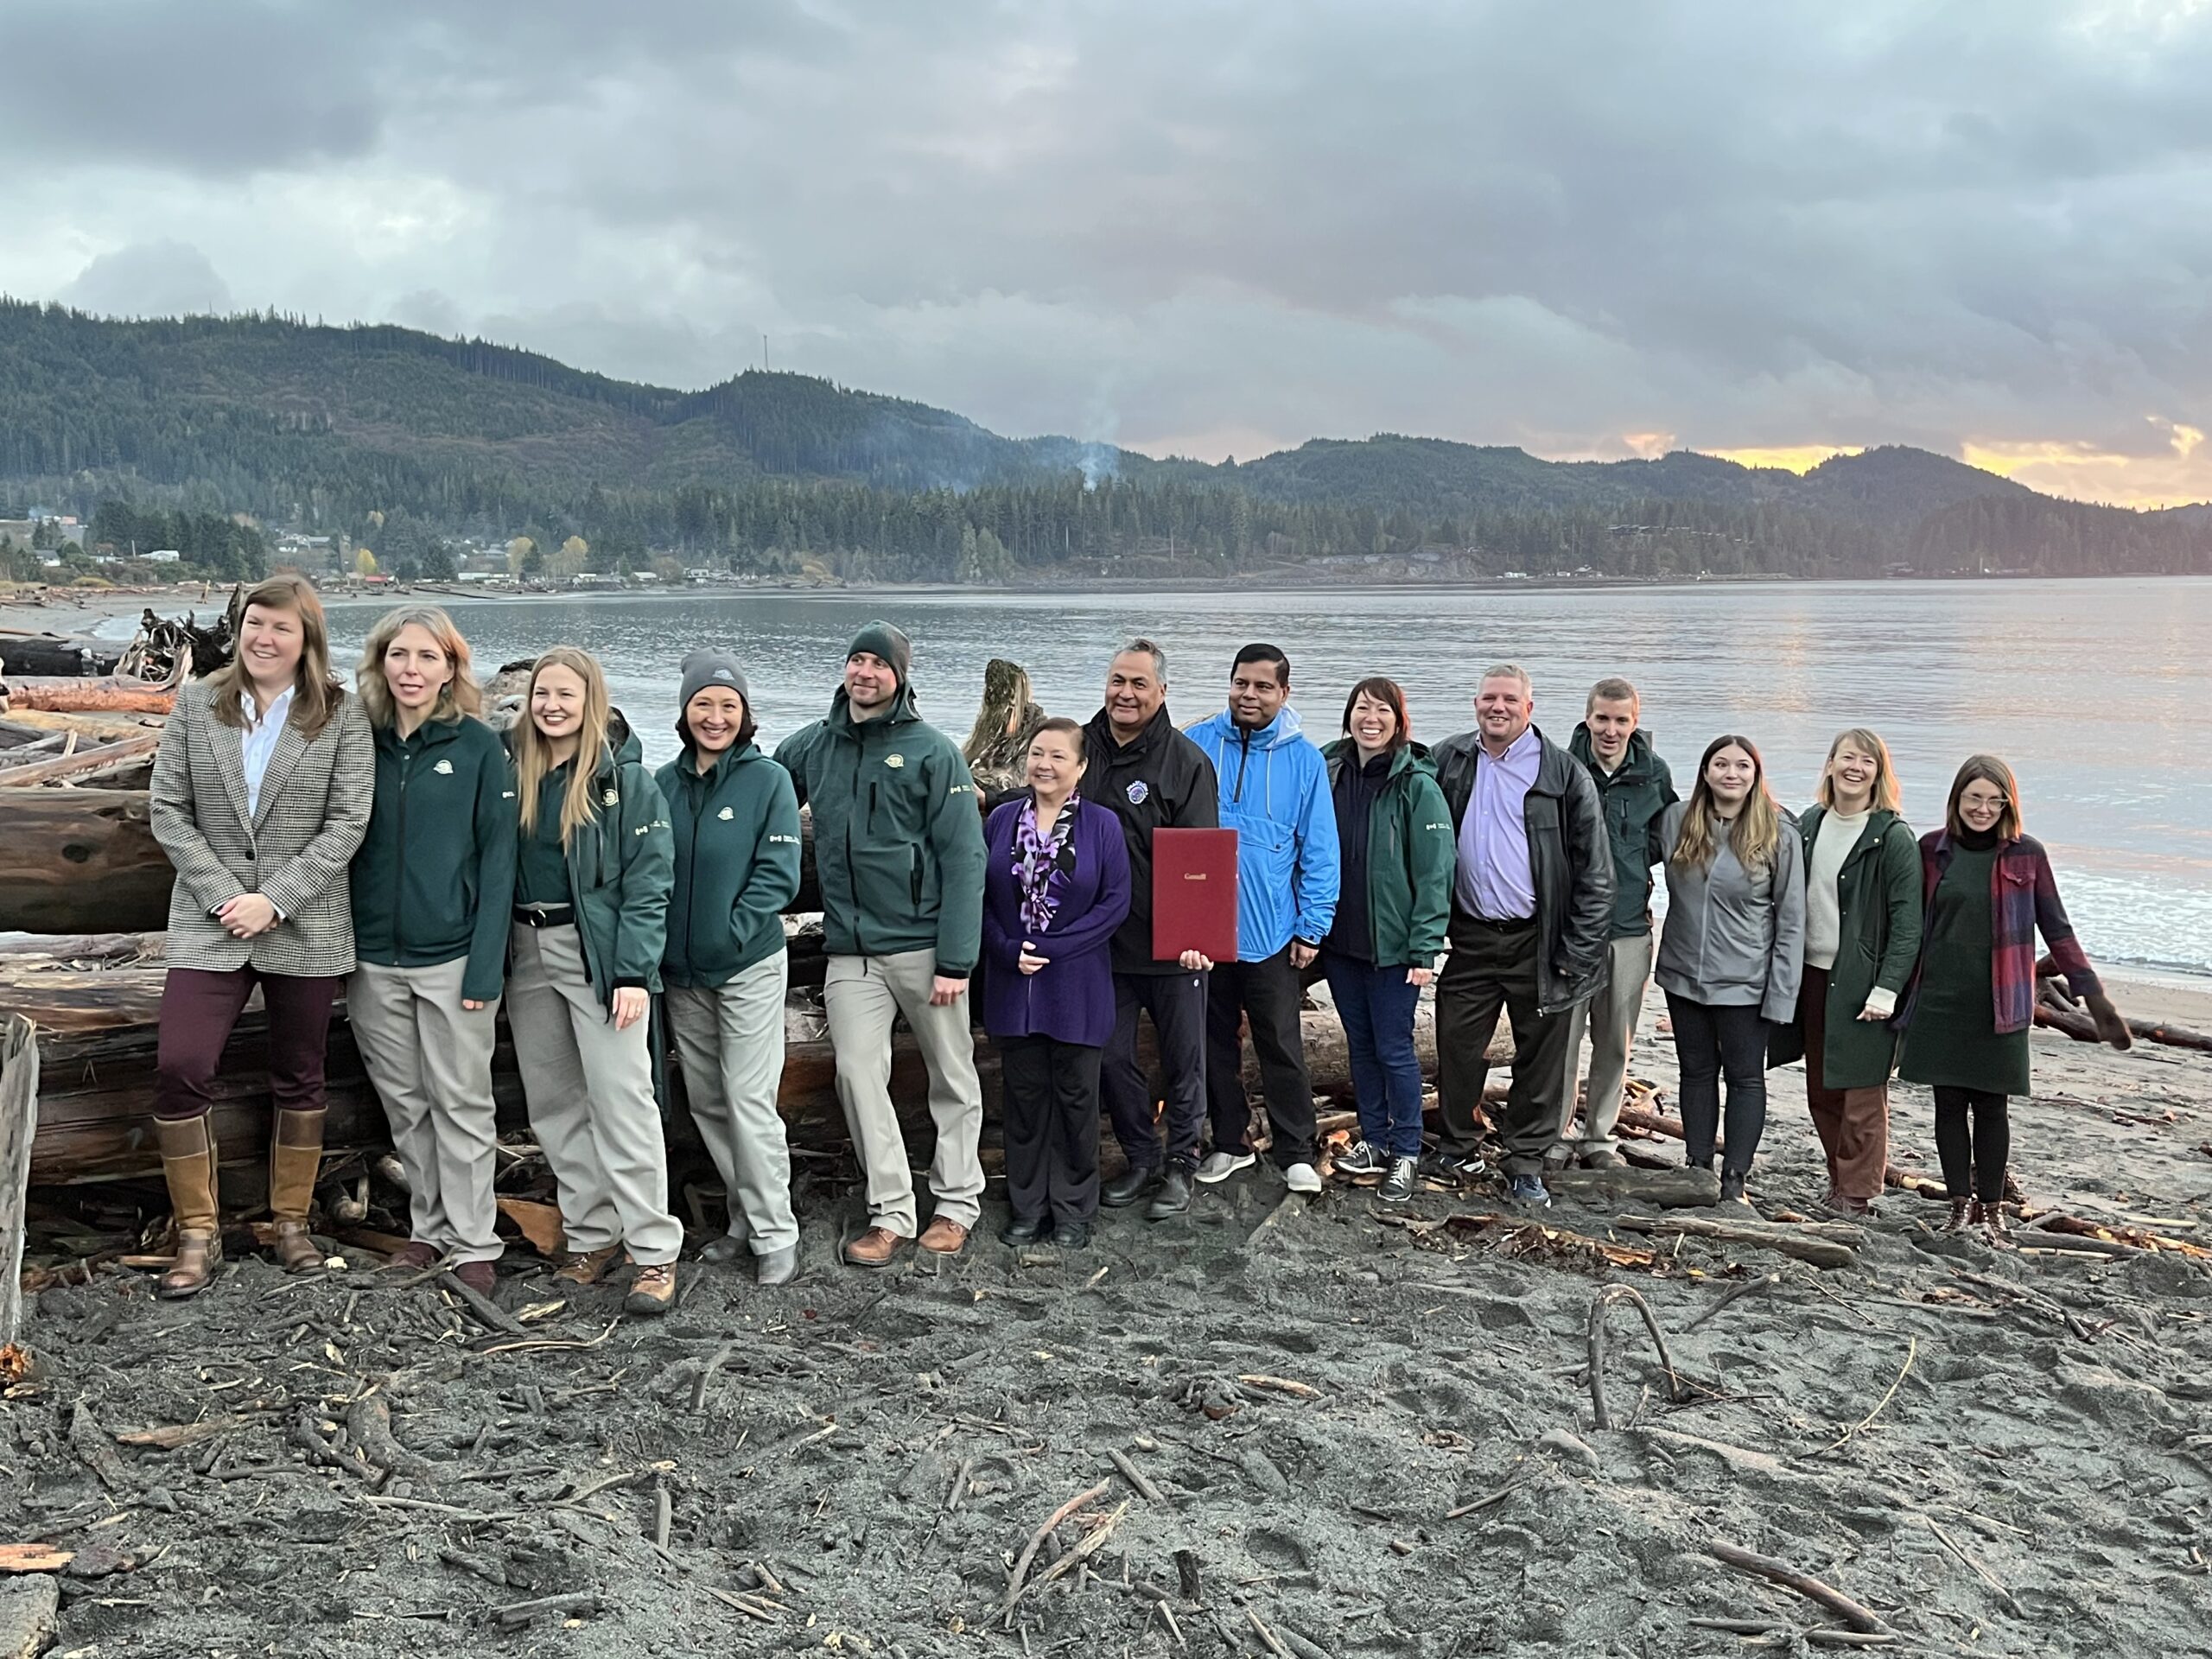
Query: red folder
[[1194, 893]]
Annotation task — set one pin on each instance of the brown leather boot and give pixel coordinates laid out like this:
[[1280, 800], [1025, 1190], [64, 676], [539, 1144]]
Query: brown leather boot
[[189, 1161], [295, 1159], [1961, 1210]]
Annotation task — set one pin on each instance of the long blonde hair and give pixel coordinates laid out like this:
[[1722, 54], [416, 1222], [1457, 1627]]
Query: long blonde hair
[[316, 693], [460, 696], [1884, 797], [1757, 830], [533, 755]]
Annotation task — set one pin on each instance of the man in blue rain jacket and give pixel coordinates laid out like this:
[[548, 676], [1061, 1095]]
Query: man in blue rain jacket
[[1274, 793]]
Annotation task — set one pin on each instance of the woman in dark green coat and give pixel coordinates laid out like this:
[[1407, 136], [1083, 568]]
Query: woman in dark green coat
[[1862, 937], [1394, 834]]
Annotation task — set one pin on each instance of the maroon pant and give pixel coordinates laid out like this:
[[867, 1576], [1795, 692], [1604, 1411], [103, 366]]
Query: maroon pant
[[1853, 1123], [200, 1008]]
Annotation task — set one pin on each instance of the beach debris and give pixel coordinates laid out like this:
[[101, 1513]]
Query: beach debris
[[1858, 1618], [1758, 1286], [1825, 1244], [1602, 1301]]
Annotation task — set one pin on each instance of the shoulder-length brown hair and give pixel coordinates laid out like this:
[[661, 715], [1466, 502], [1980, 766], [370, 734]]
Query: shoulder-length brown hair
[[1885, 775], [2012, 822], [316, 693], [533, 755], [1392, 696], [461, 695], [1757, 830]]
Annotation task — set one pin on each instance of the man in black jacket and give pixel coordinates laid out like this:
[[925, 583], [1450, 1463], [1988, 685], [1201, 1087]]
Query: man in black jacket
[[1532, 911], [1150, 776]]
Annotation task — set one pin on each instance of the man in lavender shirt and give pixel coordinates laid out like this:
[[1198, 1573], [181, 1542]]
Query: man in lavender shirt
[[1532, 903]]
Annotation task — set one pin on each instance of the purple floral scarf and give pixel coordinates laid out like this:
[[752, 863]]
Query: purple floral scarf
[[1039, 864]]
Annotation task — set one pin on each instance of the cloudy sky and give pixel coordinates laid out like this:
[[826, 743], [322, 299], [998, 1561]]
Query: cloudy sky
[[1210, 226]]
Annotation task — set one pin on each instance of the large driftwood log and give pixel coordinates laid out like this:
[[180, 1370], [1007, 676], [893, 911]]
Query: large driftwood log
[[1670, 1189], [78, 767], [1818, 1245], [79, 860], [56, 654], [109, 694], [18, 1129]]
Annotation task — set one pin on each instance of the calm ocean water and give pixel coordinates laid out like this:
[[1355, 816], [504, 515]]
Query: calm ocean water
[[2098, 692]]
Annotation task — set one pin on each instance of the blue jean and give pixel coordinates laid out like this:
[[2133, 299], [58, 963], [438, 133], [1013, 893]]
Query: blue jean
[[1377, 1006]]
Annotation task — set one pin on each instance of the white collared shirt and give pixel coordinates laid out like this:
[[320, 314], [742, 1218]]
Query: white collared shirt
[[257, 742]]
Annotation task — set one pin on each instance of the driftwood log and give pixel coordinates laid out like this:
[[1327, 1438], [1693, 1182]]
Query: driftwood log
[[1824, 1246], [19, 1096], [79, 860], [1670, 1188], [56, 654], [107, 694]]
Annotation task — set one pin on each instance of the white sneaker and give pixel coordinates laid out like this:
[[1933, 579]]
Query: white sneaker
[[1220, 1166], [1302, 1177]]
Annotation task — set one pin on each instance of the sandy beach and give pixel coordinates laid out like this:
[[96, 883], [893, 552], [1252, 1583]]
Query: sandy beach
[[1366, 1431]]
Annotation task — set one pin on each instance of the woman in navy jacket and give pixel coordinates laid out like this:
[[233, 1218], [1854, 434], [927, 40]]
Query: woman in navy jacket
[[1056, 885]]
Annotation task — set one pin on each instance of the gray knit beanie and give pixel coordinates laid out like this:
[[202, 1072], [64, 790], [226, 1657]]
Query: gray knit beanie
[[881, 639], [711, 665]]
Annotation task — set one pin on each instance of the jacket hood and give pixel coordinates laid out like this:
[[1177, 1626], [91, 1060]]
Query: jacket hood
[[741, 755], [1284, 728], [1634, 765], [1411, 757]]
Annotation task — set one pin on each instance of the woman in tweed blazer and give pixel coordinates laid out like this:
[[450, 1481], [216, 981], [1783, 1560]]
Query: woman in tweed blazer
[[261, 794]]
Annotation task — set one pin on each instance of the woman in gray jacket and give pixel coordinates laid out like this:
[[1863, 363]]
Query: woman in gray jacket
[[1732, 948]]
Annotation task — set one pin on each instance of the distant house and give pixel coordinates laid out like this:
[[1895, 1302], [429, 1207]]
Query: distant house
[[165, 555]]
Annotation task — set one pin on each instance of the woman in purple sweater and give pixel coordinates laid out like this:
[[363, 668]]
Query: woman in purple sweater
[[1056, 885]]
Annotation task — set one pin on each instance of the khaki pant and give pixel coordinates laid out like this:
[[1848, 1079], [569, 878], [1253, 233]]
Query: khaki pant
[[590, 1089], [430, 1060], [1612, 1017], [730, 1043], [862, 996]]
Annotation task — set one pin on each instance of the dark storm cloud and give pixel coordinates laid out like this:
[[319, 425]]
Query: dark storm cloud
[[1579, 228]]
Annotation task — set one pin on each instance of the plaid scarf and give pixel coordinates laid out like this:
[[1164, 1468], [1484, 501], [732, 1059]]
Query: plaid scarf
[[1038, 862]]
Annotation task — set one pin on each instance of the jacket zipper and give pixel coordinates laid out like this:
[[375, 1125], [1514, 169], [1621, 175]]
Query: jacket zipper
[[1244, 762], [691, 872], [399, 865], [852, 872]]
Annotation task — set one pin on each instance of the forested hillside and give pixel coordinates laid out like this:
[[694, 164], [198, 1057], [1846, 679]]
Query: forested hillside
[[377, 433]]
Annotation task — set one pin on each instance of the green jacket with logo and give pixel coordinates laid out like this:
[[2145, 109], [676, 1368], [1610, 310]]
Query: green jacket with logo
[[620, 869], [1634, 796], [1878, 942], [1411, 852], [898, 837], [737, 845], [434, 878]]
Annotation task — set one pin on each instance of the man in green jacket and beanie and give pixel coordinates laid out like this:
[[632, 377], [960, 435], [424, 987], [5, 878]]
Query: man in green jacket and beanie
[[899, 850], [1635, 789]]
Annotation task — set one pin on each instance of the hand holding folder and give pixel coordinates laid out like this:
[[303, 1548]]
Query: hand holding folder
[[1194, 895]]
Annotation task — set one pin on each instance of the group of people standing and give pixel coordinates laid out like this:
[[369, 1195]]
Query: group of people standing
[[389, 840]]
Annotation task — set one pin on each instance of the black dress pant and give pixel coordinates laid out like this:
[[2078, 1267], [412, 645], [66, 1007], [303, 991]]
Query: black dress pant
[[1177, 1003], [1712, 1041], [1051, 1126], [1267, 992], [1973, 1153], [1492, 967]]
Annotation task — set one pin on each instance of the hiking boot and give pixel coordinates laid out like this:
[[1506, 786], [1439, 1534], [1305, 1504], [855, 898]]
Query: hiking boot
[[943, 1237], [875, 1248], [1025, 1229], [1528, 1190], [1217, 1166], [1302, 1177], [1961, 1216], [722, 1252], [1994, 1227], [1172, 1196], [1398, 1186], [582, 1268], [1364, 1159], [1126, 1188], [479, 1276], [1601, 1157], [778, 1266], [414, 1255], [652, 1291], [1731, 1187], [1072, 1235]]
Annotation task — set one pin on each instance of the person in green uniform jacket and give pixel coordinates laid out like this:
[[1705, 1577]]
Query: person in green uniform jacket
[[1862, 937], [1988, 890], [1394, 901], [432, 887], [593, 871], [734, 816], [898, 848]]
